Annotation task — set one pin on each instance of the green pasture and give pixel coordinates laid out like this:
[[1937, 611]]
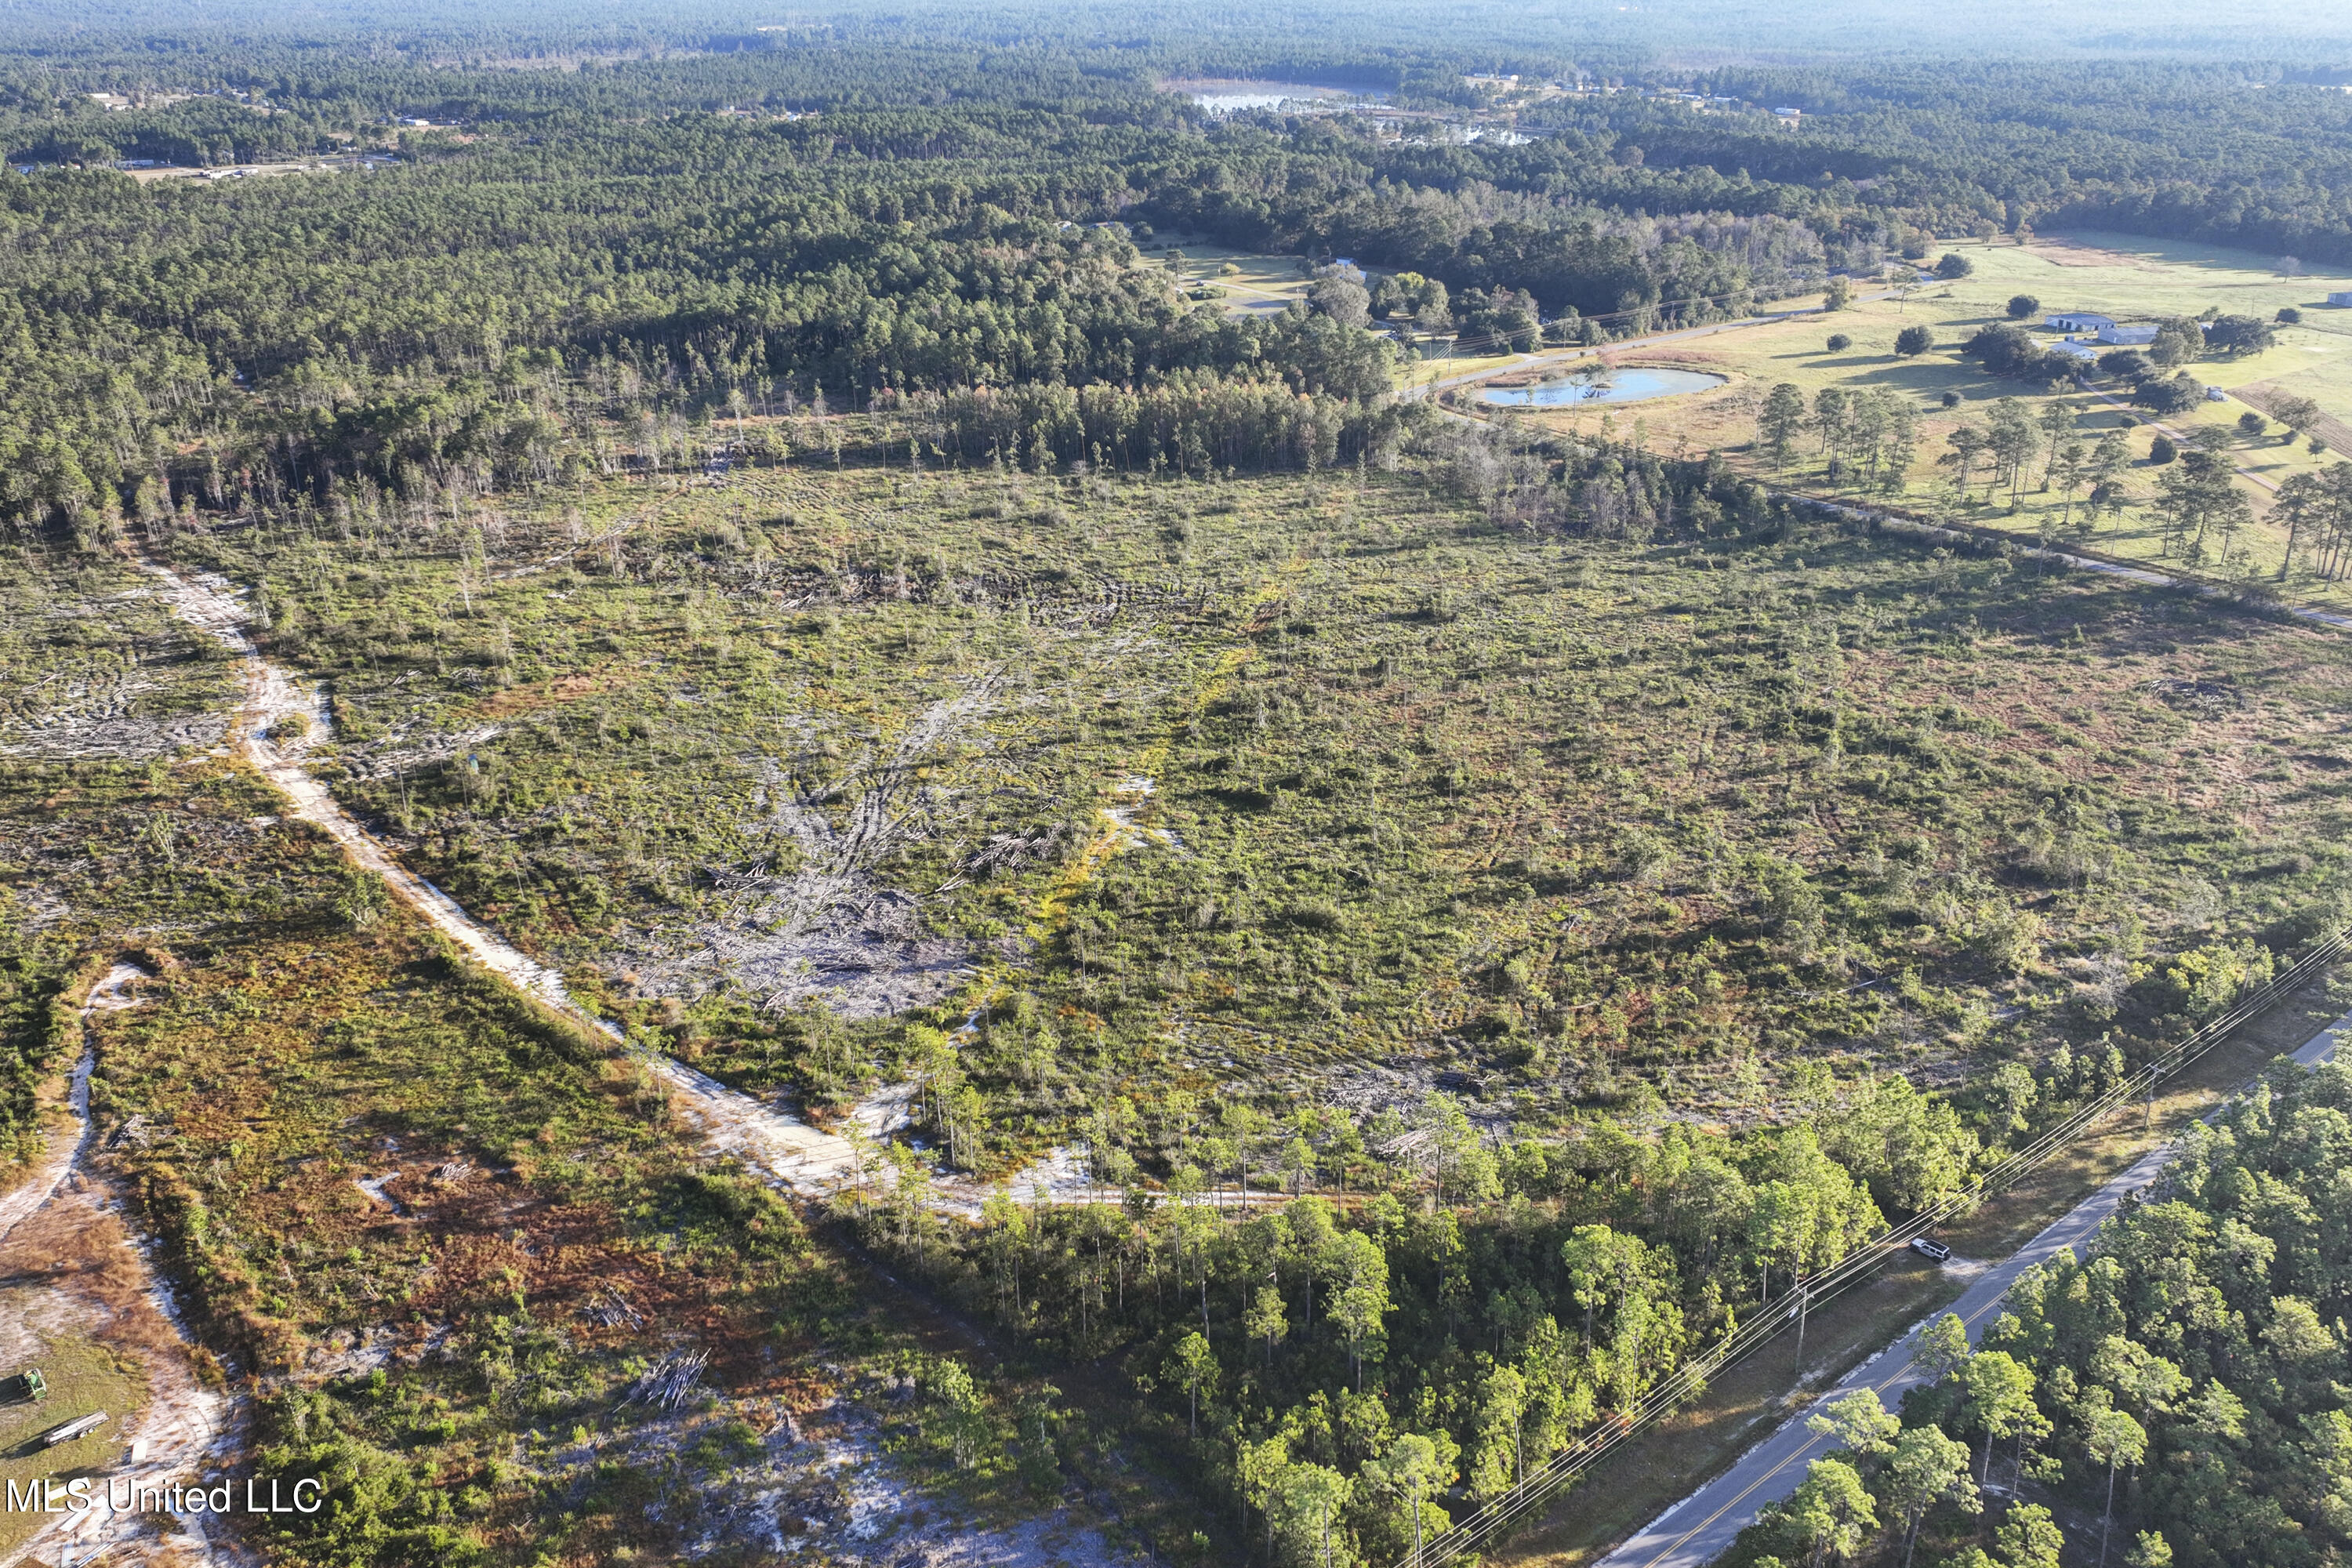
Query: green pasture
[[2128, 276], [1256, 281], [2312, 359]]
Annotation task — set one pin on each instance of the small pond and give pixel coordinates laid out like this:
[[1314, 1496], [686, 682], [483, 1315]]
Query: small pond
[[1617, 386]]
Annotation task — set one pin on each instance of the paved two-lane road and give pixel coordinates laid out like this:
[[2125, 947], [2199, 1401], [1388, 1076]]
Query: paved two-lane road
[[1702, 1526]]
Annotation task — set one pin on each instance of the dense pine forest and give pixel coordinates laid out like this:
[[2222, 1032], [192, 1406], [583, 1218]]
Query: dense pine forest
[[573, 256]]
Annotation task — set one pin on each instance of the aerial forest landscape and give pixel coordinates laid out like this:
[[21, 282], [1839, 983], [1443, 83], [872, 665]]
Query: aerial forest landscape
[[1096, 786]]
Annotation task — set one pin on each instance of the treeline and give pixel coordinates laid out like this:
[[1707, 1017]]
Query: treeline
[[1555, 219], [1332, 408], [38, 1019], [504, 316], [2179, 149], [1442, 1310], [599, 247], [1888, 161]]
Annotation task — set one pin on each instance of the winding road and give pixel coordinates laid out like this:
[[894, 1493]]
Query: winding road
[[1702, 1526], [805, 1160]]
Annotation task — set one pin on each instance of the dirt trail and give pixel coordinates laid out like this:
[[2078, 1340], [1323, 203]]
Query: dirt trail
[[115, 1296], [805, 1159], [110, 994]]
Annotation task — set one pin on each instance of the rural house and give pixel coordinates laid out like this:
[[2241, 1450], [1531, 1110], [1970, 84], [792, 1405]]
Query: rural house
[[2077, 322]]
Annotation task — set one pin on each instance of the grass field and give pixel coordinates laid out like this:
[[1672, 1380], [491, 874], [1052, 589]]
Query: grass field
[[84, 1378], [2129, 276], [2313, 360], [1255, 285]]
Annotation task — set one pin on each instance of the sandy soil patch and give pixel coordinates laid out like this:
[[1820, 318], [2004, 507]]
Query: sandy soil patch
[[829, 929], [71, 1264]]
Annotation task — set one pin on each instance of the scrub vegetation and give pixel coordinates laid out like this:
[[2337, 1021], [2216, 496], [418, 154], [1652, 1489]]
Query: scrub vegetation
[[1347, 941], [1605, 862]]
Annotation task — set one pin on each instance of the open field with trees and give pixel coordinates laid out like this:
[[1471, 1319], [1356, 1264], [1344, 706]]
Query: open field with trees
[[1339, 768], [1941, 390], [1170, 807]]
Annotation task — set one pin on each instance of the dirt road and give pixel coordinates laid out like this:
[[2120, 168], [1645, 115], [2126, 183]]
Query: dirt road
[[2147, 576], [805, 1158], [77, 1268]]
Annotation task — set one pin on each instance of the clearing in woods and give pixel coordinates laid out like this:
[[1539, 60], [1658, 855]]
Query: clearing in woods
[[1392, 786]]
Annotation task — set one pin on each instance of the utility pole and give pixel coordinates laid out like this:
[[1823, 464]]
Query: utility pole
[[1804, 1299]]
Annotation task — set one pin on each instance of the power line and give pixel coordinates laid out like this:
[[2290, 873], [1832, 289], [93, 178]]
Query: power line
[[1490, 1520]]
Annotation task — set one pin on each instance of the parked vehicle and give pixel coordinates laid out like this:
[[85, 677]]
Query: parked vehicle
[[1930, 1249], [80, 1426], [28, 1386]]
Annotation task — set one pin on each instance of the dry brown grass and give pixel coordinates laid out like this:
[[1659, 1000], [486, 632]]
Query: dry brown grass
[[519, 700], [77, 1245], [2063, 252]]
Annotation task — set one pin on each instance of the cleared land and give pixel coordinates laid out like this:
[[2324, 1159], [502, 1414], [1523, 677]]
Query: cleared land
[[1335, 779], [445, 1236], [1317, 789], [84, 1378], [1253, 284]]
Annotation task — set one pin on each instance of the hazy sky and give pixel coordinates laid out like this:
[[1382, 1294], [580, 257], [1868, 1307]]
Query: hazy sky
[[2308, 32]]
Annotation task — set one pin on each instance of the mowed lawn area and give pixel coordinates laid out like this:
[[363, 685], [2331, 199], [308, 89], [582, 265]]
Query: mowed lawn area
[[1254, 284], [2312, 359]]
